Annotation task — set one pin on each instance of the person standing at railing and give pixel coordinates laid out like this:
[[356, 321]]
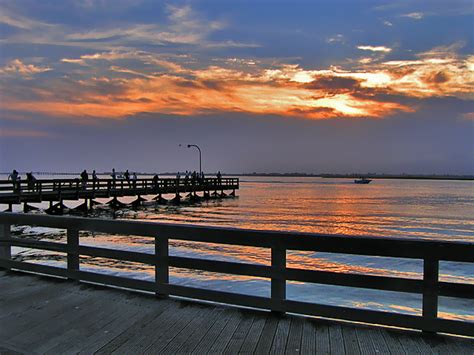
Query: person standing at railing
[[126, 175], [134, 180], [219, 177], [94, 176], [202, 177], [114, 177], [15, 178], [155, 181], [84, 178], [30, 179]]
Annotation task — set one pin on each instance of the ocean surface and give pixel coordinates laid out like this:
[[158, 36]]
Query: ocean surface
[[418, 209]]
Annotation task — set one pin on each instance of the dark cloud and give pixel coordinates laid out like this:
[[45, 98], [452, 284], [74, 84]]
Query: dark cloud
[[334, 85]]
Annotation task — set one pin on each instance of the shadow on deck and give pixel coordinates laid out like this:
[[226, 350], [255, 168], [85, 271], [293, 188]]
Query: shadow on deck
[[44, 315]]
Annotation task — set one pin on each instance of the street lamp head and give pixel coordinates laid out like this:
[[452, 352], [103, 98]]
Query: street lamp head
[[189, 145]]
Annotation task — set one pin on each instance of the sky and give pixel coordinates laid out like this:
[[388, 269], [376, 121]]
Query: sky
[[261, 86]]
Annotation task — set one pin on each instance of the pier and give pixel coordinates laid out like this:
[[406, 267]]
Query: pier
[[430, 287], [56, 191], [55, 316]]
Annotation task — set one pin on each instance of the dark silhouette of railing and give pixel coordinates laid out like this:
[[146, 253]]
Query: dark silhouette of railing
[[430, 252]]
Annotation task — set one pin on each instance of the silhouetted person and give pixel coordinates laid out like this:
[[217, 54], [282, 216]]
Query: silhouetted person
[[219, 177], [15, 178], [155, 181], [114, 177], [94, 176], [126, 175], [134, 180], [30, 179], [84, 178]]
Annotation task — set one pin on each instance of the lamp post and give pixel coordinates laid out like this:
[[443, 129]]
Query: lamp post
[[200, 157]]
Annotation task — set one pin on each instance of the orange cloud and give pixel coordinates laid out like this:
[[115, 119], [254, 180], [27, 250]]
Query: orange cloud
[[164, 86], [17, 66], [8, 132]]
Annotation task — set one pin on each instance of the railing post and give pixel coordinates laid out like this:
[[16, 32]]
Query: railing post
[[161, 266], [72, 253], [430, 289], [5, 249], [278, 283]]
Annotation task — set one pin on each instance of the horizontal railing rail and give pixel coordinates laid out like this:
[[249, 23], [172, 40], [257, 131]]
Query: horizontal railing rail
[[430, 252]]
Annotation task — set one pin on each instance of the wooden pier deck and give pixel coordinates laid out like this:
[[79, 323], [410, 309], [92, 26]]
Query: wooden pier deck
[[44, 315], [74, 189]]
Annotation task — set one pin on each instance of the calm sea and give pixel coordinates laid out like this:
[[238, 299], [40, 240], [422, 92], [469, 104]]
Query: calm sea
[[437, 210]]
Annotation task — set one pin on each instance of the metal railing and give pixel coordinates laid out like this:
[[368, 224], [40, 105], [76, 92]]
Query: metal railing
[[430, 252]]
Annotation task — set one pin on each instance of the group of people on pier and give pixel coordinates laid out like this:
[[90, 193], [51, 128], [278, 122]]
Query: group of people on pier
[[16, 179], [191, 178]]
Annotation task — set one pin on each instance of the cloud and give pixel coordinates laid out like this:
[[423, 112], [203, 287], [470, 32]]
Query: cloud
[[16, 66], [9, 132], [21, 22], [388, 23], [468, 116], [338, 38], [131, 82], [183, 26], [414, 15], [375, 48]]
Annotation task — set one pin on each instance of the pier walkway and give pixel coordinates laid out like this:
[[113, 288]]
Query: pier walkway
[[58, 190], [56, 316]]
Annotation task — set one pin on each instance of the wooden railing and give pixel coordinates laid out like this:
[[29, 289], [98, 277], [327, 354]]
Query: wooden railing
[[68, 185], [430, 252]]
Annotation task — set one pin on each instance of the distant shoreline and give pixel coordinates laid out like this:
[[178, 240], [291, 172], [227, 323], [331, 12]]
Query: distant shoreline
[[326, 176]]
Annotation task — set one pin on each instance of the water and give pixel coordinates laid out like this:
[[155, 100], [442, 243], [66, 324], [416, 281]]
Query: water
[[419, 209]]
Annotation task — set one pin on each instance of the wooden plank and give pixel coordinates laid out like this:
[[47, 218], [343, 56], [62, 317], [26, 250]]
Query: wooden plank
[[452, 289], [38, 244], [413, 344], [251, 340], [281, 336], [323, 343], [117, 254], [308, 338], [72, 251], [224, 337], [188, 346], [393, 343], [293, 345], [175, 340], [336, 339], [27, 298], [221, 266], [136, 343], [371, 341], [36, 268], [129, 317], [83, 328], [355, 280], [266, 339], [351, 344], [30, 329], [208, 340], [240, 334], [128, 335], [430, 288], [161, 263]]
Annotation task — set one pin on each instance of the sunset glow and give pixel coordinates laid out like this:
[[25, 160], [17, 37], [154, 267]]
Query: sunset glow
[[107, 63]]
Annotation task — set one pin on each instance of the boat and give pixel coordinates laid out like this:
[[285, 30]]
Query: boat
[[362, 181]]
